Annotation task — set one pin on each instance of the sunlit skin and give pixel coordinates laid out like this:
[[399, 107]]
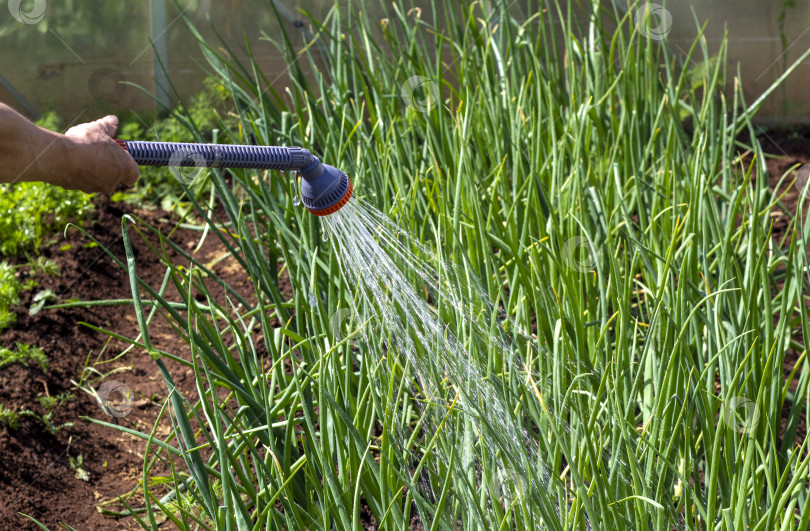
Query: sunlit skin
[[85, 158]]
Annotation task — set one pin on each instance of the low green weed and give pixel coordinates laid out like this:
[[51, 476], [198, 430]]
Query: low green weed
[[77, 464], [44, 265], [9, 418], [24, 354], [10, 288], [50, 404], [34, 210]]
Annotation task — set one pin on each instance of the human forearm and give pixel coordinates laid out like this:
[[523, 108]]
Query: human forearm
[[28, 152], [84, 158]]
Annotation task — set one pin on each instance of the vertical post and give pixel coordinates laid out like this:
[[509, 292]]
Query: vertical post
[[160, 43]]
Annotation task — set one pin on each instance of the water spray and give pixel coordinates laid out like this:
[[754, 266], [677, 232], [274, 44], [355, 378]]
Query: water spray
[[324, 190]]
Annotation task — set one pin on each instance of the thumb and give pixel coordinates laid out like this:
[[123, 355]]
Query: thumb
[[109, 124]]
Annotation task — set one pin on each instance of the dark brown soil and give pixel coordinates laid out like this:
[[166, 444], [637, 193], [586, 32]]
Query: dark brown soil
[[36, 477]]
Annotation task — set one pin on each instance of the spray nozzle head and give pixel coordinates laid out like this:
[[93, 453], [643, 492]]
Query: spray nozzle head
[[325, 189]]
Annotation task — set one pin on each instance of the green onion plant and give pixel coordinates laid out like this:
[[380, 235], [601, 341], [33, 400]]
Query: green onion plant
[[592, 182]]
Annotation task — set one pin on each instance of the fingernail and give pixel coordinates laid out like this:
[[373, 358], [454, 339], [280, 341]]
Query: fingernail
[[112, 118]]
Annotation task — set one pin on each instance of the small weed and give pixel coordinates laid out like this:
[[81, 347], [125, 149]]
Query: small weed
[[77, 466], [44, 265], [24, 354], [10, 288], [50, 404], [32, 211], [9, 418]]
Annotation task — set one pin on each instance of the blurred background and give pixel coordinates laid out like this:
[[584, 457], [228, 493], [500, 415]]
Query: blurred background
[[71, 56]]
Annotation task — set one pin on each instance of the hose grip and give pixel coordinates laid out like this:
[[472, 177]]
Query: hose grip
[[217, 155]]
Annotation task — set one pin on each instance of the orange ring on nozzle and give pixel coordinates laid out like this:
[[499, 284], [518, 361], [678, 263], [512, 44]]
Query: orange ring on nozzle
[[337, 206]]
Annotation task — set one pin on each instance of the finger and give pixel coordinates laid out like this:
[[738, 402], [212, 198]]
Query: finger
[[109, 124], [129, 168]]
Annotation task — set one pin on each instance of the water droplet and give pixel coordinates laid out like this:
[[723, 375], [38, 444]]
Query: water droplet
[[313, 300], [324, 236], [296, 200]]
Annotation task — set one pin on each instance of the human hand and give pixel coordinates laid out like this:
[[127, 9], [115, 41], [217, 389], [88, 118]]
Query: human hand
[[96, 163]]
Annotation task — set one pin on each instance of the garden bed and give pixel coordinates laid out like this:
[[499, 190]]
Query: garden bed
[[36, 476], [36, 473]]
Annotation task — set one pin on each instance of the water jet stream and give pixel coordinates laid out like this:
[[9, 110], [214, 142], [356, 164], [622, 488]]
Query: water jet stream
[[433, 314]]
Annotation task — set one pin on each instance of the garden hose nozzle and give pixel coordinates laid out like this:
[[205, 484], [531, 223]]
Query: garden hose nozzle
[[324, 189]]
